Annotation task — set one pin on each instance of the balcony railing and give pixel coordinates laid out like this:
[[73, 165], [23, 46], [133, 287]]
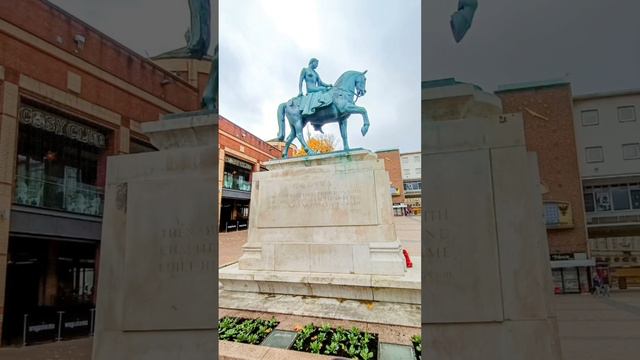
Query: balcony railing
[[613, 217], [58, 194], [236, 183]]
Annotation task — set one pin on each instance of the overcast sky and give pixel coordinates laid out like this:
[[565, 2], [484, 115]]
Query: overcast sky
[[593, 42], [265, 43]]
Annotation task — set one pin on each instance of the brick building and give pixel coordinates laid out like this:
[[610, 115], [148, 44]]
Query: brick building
[[240, 154], [69, 97], [393, 166], [547, 110]]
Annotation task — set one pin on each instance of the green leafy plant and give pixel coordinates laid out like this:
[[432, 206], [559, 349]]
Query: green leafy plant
[[325, 328], [322, 337], [366, 338], [417, 344], [338, 336], [351, 350], [251, 331], [332, 348], [315, 347], [365, 354], [353, 338]]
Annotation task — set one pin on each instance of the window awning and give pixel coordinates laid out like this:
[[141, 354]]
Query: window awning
[[557, 264]]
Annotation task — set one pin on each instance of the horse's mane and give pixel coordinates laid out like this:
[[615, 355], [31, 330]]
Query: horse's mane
[[347, 75]]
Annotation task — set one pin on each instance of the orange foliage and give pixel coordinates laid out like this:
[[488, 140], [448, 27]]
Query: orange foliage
[[320, 144]]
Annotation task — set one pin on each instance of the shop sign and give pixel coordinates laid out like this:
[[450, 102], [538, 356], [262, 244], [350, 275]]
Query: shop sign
[[559, 257], [236, 162], [58, 125], [42, 327]]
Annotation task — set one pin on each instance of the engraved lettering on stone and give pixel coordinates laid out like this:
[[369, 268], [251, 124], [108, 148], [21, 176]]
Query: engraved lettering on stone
[[185, 249], [121, 197], [439, 237], [331, 199]]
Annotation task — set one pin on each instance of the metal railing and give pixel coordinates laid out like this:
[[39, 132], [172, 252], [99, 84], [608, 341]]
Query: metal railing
[[58, 194]]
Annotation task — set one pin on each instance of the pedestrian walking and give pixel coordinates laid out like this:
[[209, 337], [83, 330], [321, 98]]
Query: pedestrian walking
[[605, 284], [597, 283]]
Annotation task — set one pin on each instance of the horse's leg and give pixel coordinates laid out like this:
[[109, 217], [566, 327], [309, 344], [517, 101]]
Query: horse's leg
[[298, 126], [292, 135], [343, 134], [281, 116], [355, 109]]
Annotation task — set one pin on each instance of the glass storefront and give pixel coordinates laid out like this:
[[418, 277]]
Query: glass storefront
[[236, 184], [45, 277], [237, 174], [234, 215], [58, 168]]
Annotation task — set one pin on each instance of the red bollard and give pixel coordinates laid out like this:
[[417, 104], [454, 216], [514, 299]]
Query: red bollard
[[407, 259]]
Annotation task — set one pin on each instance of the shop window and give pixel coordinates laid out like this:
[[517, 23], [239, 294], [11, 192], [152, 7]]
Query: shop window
[[59, 170], [237, 175]]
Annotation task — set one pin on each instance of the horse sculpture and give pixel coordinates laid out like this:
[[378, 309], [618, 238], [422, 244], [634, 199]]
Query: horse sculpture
[[342, 98]]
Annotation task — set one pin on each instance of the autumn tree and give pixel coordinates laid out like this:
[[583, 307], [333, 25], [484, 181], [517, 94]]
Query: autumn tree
[[322, 143]]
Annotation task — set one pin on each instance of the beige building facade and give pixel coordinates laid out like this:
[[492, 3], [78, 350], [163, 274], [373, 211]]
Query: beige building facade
[[608, 142], [411, 164]]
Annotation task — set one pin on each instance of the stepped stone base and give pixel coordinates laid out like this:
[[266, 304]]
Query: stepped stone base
[[394, 289]]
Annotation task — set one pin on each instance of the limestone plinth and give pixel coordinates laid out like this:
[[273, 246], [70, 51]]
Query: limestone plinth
[[487, 277], [157, 295], [322, 226]]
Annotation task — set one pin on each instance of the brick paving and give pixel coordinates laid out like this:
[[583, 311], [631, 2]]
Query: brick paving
[[79, 349], [597, 328], [230, 246]]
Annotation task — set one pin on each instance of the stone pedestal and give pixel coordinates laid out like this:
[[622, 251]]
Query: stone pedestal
[[157, 295], [487, 277], [322, 226]]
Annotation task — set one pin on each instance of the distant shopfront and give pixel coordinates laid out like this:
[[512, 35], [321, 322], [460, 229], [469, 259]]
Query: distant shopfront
[[55, 226], [236, 194], [571, 273]]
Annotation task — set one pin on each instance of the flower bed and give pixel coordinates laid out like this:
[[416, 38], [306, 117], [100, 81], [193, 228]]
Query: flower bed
[[248, 331], [354, 343], [416, 340]]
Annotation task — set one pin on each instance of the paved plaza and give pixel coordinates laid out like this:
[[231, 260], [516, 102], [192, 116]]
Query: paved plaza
[[591, 328]]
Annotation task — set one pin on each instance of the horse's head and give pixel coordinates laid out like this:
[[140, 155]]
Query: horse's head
[[361, 83], [353, 81]]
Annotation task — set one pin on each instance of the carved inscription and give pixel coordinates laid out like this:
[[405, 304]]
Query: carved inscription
[[322, 200], [186, 249], [438, 240], [331, 199]]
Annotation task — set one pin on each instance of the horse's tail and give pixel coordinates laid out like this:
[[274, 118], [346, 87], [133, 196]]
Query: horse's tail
[[281, 128]]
